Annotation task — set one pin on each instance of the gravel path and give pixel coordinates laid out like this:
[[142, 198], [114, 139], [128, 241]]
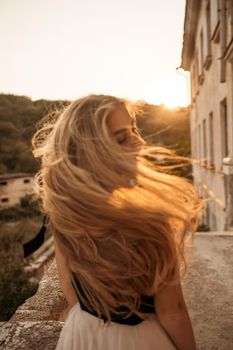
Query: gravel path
[[208, 290]]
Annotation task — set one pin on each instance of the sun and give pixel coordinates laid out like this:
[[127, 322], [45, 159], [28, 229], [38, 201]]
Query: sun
[[171, 91], [171, 104], [174, 100]]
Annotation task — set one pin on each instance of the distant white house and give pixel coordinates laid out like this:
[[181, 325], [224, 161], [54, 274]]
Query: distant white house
[[208, 55], [13, 187]]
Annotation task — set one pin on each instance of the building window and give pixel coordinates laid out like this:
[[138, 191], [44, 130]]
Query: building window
[[197, 72], [193, 141], [208, 58], [223, 40], [204, 143], [26, 181], [228, 54], [223, 113], [211, 140], [3, 183], [207, 214], [215, 21], [194, 82], [229, 6], [202, 50], [4, 199], [201, 60], [199, 141], [195, 150], [230, 11]]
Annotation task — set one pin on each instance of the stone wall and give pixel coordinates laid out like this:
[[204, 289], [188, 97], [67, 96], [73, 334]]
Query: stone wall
[[36, 325]]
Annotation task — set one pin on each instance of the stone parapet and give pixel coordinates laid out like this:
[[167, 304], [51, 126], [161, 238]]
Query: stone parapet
[[47, 304], [36, 325], [30, 335]]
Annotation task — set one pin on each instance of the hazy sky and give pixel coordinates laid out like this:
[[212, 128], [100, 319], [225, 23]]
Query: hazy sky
[[63, 49]]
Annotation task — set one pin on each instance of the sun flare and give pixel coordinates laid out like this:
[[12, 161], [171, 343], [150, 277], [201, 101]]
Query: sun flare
[[172, 93]]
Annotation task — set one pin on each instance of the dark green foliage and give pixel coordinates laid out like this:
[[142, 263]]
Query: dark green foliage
[[18, 225], [29, 207], [15, 288], [18, 118]]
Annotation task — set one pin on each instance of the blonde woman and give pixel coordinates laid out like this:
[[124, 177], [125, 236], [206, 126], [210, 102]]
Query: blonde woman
[[119, 221]]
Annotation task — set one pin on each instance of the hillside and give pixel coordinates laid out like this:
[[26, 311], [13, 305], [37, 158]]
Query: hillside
[[19, 116]]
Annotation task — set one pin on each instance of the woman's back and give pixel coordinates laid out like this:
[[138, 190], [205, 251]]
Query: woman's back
[[147, 306]]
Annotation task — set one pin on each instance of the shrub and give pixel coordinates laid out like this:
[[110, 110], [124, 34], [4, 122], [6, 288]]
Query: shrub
[[28, 207], [15, 286]]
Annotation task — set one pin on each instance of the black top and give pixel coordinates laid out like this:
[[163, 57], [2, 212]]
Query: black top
[[146, 306]]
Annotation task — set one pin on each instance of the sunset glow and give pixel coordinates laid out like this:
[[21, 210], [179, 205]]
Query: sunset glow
[[172, 92], [68, 48]]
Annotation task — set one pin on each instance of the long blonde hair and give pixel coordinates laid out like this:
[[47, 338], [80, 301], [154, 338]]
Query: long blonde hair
[[120, 237]]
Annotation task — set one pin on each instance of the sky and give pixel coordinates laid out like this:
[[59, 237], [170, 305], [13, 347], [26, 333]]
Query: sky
[[64, 49]]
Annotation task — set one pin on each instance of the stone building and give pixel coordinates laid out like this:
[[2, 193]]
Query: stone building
[[13, 187], [208, 55]]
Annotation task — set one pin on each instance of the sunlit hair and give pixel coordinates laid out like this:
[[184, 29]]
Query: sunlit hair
[[119, 218]]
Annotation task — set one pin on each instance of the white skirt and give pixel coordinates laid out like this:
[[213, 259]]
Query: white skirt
[[83, 331]]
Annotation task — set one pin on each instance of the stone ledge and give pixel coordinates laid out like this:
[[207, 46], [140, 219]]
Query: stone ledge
[[208, 291], [47, 304], [215, 234], [30, 335]]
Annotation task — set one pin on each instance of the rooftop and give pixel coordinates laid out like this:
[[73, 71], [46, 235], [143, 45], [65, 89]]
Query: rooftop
[[14, 176], [190, 24]]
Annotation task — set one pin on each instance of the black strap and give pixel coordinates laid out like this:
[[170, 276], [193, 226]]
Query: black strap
[[147, 306], [36, 242]]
